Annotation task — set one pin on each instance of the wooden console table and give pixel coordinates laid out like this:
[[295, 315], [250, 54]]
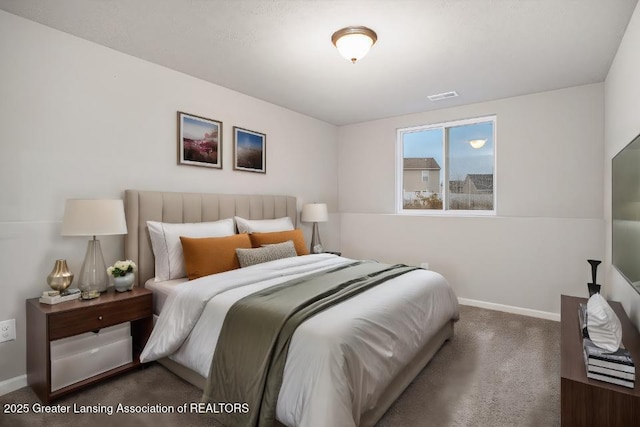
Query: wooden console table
[[587, 402]]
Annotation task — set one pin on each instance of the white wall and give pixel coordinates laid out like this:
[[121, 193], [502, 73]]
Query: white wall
[[549, 201], [80, 120], [622, 124]]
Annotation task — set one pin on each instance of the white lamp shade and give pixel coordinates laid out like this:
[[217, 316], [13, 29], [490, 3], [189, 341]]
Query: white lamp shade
[[354, 46], [314, 212], [93, 218]]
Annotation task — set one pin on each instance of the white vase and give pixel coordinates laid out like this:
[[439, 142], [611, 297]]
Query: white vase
[[123, 283]]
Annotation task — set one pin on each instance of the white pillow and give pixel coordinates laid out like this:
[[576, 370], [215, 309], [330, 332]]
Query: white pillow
[[602, 323], [167, 249], [263, 225]]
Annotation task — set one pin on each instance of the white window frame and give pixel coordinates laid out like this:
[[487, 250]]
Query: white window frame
[[445, 152]]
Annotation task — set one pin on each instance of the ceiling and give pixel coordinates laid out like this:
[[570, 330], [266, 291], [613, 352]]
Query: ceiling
[[280, 51]]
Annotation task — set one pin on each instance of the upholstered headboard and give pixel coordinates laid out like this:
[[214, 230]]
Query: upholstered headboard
[[143, 206]]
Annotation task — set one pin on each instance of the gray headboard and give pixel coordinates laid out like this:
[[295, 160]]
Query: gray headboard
[[143, 206]]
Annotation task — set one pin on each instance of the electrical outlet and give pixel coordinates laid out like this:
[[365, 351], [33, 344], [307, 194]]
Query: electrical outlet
[[8, 330]]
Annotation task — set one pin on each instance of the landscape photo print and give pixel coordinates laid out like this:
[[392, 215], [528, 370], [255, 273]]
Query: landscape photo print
[[249, 150], [199, 141]]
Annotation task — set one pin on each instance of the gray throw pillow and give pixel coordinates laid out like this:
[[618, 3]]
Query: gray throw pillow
[[248, 257]]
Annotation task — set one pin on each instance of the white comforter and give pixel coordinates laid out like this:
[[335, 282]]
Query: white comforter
[[339, 360]]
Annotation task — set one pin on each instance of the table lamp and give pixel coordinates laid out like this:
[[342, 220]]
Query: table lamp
[[93, 218], [315, 212]]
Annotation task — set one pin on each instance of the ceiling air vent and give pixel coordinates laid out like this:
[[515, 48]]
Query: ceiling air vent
[[441, 96]]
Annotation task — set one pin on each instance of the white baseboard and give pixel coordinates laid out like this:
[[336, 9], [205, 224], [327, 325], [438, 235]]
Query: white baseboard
[[12, 384], [510, 309]]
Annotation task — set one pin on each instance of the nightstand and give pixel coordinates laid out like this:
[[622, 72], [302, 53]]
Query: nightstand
[[47, 323], [585, 401]]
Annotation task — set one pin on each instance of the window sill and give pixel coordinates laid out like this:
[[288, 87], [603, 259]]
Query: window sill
[[444, 214]]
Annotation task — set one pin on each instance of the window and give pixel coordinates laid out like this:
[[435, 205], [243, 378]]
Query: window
[[447, 167]]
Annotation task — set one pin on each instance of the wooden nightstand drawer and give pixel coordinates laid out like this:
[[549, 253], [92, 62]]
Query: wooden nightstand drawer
[[95, 317]]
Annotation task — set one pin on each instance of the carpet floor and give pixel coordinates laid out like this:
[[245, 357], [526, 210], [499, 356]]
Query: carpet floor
[[500, 369]]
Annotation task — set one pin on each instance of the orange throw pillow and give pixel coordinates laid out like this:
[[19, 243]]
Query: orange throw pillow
[[211, 255], [259, 239]]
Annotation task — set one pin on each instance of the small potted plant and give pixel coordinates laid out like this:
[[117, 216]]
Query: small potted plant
[[123, 274]]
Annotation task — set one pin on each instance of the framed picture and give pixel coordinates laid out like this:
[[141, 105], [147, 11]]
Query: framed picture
[[249, 150], [199, 141]]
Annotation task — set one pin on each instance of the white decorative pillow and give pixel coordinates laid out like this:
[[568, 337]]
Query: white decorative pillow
[[248, 257], [603, 325], [167, 249], [263, 225]]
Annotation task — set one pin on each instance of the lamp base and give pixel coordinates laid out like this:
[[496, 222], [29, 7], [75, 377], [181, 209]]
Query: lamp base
[[316, 244], [88, 295], [93, 275]]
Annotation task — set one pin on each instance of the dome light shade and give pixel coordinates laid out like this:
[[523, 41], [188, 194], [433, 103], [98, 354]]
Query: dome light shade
[[354, 43], [477, 143]]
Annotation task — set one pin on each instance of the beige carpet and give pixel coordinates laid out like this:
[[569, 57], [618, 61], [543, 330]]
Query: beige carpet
[[499, 370]]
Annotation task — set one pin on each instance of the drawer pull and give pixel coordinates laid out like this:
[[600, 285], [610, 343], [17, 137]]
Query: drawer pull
[[99, 317]]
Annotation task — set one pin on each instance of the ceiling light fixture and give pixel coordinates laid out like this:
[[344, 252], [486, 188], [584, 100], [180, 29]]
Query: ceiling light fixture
[[354, 42], [477, 143]]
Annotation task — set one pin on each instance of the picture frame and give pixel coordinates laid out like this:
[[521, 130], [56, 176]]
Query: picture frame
[[199, 141], [249, 150]]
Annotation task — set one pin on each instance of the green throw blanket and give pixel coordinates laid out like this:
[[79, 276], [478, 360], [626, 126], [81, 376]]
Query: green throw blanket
[[250, 356]]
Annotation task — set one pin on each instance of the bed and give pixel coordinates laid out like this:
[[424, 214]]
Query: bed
[[357, 376]]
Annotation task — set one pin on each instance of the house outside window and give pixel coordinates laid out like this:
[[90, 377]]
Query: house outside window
[[447, 168]]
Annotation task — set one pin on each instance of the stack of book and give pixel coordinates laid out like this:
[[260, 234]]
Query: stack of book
[[51, 297], [615, 368]]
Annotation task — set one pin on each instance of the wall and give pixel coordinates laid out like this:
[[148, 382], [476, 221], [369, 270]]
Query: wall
[[622, 124], [549, 201], [79, 120]]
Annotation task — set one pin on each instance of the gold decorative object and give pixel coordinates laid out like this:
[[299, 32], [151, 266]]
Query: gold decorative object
[[60, 277]]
